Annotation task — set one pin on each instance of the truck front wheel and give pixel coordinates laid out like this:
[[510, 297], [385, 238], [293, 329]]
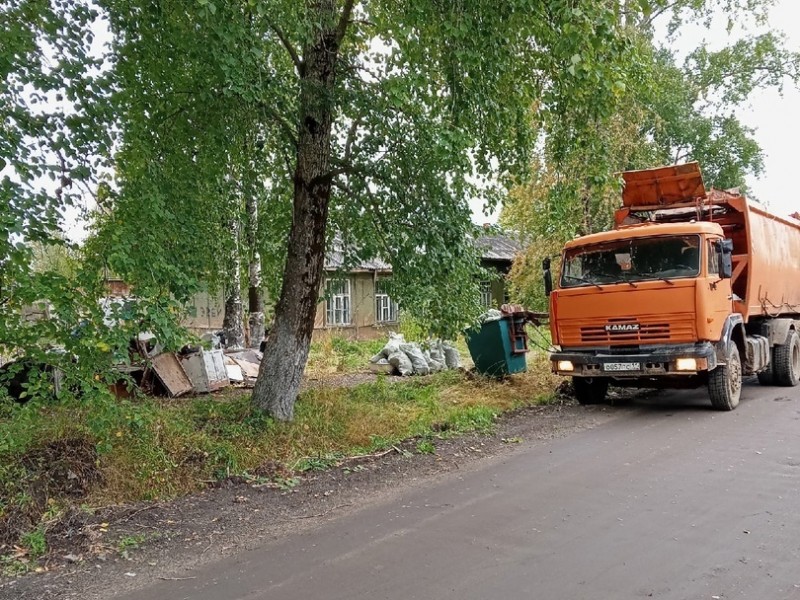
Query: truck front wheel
[[787, 360], [725, 382], [590, 390]]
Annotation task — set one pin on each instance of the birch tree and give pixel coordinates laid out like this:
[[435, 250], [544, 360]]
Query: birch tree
[[375, 121]]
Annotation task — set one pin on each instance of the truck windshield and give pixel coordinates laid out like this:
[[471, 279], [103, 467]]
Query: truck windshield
[[631, 260]]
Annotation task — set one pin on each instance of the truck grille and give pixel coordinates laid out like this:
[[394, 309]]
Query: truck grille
[[652, 330], [647, 333]]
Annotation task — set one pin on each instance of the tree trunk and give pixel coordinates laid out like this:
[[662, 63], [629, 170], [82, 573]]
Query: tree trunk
[[255, 320], [233, 322], [287, 349]]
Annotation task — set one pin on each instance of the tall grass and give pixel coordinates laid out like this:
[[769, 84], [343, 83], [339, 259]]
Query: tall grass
[[332, 354]]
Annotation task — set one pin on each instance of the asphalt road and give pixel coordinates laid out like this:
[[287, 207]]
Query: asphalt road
[[667, 500]]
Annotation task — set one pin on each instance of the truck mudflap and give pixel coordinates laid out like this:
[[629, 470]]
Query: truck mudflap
[[649, 361]]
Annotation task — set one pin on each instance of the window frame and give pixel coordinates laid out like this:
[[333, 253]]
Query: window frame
[[341, 315], [385, 304], [486, 293]]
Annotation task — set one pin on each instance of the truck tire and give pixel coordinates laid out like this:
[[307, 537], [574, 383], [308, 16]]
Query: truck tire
[[787, 360], [590, 390], [766, 377], [725, 382]]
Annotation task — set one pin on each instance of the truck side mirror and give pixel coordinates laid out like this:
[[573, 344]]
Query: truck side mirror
[[548, 278], [725, 250]]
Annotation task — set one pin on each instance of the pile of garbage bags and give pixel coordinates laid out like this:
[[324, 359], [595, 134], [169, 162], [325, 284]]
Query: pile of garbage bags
[[404, 358]]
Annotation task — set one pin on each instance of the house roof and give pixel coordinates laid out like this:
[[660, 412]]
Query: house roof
[[493, 246], [498, 247], [335, 261]]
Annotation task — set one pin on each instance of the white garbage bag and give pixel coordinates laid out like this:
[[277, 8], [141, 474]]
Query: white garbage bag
[[434, 365], [417, 358], [451, 356], [400, 361], [490, 315], [393, 345]]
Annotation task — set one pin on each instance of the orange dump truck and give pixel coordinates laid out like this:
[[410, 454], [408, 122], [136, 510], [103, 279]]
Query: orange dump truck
[[691, 288]]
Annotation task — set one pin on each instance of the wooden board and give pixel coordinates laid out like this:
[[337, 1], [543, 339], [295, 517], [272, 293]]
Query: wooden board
[[171, 374]]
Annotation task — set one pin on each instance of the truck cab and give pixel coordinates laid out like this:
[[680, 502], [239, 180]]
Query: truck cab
[[661, 300]]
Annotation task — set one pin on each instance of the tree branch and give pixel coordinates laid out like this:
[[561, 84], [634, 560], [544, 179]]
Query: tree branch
[[381, 227], [351, 137], [681, 153], [287, 159], [299, 65], [285, 125], [348, 169], [658, 12], [344, 21]]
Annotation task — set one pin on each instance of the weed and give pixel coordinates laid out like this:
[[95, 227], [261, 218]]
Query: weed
[[286, 483], [317, 463], [354, 469], [12, 566], [35, 543], [473, 418], [548, 399], [426, 447], [130, 542]]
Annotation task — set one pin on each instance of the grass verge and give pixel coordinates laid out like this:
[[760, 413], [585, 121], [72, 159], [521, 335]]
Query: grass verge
[[56, 458]]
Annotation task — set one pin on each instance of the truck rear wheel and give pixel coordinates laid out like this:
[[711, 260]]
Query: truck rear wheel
[[725, 382], [590, 390], [787, 360]]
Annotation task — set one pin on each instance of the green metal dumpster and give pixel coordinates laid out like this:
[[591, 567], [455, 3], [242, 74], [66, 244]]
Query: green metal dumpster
[[498, 347]]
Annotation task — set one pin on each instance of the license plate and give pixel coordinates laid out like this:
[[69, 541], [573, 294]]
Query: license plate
[[622, 366]]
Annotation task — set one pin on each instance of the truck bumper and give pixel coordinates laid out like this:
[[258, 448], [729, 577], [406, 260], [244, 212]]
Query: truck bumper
[[647, 361]]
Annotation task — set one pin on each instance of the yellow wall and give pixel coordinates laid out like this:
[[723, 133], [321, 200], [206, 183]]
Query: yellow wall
[[362, 310]]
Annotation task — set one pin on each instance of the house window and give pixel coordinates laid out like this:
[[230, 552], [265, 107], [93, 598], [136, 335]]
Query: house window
[[386, 309], [337, 303], [486, 294]]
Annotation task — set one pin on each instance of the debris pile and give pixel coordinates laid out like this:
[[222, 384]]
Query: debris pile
[[403, 358], [197, 370], [208, 366]]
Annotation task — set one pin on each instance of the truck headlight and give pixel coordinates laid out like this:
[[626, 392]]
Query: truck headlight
[[565, 365], [686, 364]]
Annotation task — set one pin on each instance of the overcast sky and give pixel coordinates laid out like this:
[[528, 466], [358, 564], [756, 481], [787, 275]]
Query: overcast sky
[[772, 115], [777, 123]]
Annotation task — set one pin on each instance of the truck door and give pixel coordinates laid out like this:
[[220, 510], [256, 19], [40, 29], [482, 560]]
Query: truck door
[[714, 295]]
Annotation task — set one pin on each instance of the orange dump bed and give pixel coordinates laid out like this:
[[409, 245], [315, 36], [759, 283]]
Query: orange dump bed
[[663, 187], [766, 248], [769, 264]]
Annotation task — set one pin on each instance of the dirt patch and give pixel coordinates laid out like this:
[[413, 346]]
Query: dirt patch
[[70, 534], [63, 469], [158, 538]]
